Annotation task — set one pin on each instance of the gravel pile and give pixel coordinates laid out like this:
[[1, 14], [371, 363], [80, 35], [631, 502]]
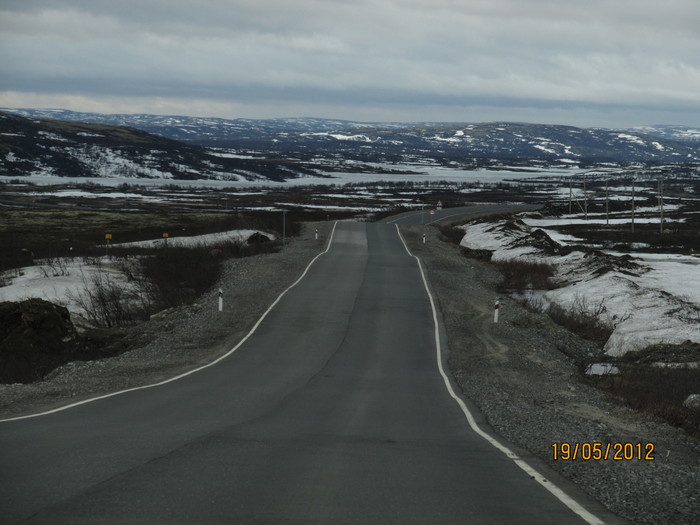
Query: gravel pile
[[523, 376]]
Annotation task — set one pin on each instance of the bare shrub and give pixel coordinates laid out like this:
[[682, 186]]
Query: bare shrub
[[178, 275], [588, 320], [107, 303], [535, 304], [55, 267], [175, 276], [451, 234], [521, 274]]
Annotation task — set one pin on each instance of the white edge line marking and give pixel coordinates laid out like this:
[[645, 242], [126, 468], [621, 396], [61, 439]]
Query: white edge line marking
[[180, 376], [551, 487]]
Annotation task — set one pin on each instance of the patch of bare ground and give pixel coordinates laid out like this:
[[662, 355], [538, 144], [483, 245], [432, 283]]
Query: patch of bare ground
[[525, 376]]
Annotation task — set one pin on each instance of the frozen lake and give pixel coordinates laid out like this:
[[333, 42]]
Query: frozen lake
[[425, 174]]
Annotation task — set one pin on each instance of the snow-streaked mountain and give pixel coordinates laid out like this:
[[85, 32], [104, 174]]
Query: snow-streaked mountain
[[308, 139], [208, 131], [34, 146], [517, 141], [677, 133]]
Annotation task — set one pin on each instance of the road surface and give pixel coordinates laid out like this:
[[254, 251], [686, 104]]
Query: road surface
[[333, 411], [433, 215]]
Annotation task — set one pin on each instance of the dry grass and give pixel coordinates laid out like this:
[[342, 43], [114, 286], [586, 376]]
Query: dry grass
[[521, 274], [657, 391]]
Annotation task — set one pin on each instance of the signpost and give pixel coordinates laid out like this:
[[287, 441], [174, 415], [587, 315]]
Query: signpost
[[284, 226]]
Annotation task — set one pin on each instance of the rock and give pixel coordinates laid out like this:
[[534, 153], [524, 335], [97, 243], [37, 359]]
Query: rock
[[36, 336], [692, 402], [258, 238]]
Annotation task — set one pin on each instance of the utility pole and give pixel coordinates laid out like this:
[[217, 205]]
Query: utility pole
[[661, 206], [571, 191], [607, 204], [632, 204]]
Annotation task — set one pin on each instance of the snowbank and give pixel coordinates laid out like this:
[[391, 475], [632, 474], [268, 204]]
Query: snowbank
[[195, 240], [647, 302]]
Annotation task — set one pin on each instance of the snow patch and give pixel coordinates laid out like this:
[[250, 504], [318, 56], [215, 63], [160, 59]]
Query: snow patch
[[646, 302]]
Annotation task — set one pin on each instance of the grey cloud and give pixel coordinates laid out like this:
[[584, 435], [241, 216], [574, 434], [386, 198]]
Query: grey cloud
[[487, 53]]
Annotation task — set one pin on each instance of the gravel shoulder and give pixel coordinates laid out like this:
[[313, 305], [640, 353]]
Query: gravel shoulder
[[180, 339], [520, 375]]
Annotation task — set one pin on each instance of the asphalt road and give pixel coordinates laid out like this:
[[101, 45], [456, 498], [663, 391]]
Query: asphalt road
[[333, 411], [434, 215]]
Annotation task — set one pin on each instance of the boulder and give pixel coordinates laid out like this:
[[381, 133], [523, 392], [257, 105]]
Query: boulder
[[36, 336], [692, 402], [258, 238]]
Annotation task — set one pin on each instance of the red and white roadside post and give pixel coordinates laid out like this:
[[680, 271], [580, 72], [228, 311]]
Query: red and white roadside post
[[497, 306]]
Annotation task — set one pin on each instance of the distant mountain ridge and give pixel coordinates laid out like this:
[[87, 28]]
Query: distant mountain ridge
[[64, 142], [207, 131], [395, 141]]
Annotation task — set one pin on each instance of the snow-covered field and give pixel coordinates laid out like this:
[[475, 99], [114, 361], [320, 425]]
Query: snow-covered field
[[60, 281], [63, 281], [419, 173], [655, 300]]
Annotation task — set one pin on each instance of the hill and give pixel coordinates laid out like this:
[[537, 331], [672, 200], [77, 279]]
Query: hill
[[35, 146]]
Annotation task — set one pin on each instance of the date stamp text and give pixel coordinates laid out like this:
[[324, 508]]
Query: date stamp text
[[603, 451]]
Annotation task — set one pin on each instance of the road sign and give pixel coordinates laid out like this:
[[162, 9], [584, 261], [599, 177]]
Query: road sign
[[108, 236]]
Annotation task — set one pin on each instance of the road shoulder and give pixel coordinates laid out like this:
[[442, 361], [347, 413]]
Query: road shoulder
[[518, 375]]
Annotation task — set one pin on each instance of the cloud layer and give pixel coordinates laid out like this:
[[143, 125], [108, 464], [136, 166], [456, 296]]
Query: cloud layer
[[585, 60]]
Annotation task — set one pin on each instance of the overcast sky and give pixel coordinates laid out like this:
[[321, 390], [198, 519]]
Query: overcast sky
[[580, 62]]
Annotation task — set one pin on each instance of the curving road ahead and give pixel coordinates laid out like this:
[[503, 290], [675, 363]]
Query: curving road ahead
[[334, 411]]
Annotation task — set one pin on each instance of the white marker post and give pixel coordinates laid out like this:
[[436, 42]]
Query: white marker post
[[424, 238], [221, 300], [316, 233], [284, 227], [495, 310]]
